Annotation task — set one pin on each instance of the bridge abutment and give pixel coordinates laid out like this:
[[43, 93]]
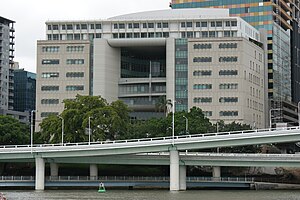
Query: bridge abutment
[[39, 173], [93, 171], [182, 177], [174, 170]]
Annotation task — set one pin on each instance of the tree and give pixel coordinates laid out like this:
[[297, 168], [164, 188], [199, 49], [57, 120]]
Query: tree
[[13, 132], [107, 121]]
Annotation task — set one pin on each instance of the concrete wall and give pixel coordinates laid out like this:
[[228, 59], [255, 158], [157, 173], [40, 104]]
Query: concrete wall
[[107, 70]]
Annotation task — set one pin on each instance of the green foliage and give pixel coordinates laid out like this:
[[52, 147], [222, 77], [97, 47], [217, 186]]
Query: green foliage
[[162, 127], [13, 132], [107, 121]]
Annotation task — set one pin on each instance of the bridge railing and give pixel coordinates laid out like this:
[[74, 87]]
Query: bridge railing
[[169, 138]]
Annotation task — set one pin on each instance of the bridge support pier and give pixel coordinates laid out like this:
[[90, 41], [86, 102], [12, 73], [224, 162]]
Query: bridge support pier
[[93, 171], [216, 172], [54, 169], [174, 170], [182, 177], [39, 173]]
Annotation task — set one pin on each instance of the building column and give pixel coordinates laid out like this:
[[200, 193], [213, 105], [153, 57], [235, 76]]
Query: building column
[[174, 170], [54, 169], [216, 172], [182, 177], [93, 172], [39, 174]]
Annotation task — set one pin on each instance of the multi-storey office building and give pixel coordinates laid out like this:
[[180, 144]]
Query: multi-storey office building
[[139, 57], [24, 90], [6, 63], [281, 19]]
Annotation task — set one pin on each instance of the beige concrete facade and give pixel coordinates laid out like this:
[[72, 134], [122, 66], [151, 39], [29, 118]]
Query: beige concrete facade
[[231, 86], [63, 71]]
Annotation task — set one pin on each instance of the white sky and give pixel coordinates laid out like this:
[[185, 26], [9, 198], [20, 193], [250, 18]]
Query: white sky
[[30, 17]]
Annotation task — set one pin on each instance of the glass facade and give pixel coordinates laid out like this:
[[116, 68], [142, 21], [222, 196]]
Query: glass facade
[[269, 15], [181, 74], [24, 90]]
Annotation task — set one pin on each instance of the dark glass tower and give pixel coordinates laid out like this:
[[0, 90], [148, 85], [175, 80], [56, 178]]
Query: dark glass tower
[[24, 90]]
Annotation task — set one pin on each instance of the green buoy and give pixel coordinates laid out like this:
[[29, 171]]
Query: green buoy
[[101, 188]]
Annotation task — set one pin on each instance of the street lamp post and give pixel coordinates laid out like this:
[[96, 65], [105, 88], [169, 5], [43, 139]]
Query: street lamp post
[[173, 122], [270, 115], [90, 130], [186, 124], [31, 130], [62, 129], [299, 114]]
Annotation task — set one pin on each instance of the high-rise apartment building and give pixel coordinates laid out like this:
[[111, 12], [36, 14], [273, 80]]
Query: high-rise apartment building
[[6, 63], [281, 20], [24, 90], [212, 61]]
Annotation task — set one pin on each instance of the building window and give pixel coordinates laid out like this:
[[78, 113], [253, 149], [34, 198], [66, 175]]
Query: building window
[[50, 88], [190, 34], [165, 25], [50, 62], [136, 25], [229, 113], [202, 59], [202, 73], [182, 24], [98, 35], [47, 114], [122, 26], [50, 101], [189, 24], [115, 26], [84, 26], [144, 25], [228, 59], [202, 86], [212, 24], [227, 45], [150, 25], [75, 61], [227, 23], [98, 26], [219, 24], [228, 99], [50, 75], [226, 33], [129, 26], [49, 27], [203, 24], [69, 27], [212, 33], [203, 100], [233, 23], [54, 27], [228, 72], [158, 25], [207, 113], [226, 86], [197, 24], [75, 74], [129, 35], [77, 26], [50, 49], [63, 27], [166, 34], [75, 48], [92, 26], [74, 88]]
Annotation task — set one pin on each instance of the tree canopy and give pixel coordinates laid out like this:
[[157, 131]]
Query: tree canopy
[[107, 121], [13, 132]]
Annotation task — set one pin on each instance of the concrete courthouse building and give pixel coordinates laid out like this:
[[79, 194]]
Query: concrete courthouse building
[[198, 57]]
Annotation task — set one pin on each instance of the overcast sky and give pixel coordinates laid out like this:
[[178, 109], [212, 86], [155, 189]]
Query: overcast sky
[[30, 17]]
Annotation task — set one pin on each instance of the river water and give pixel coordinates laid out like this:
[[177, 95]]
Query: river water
[[154, 194]]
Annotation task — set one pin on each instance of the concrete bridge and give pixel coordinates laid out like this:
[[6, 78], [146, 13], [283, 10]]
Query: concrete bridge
[[61, 153]]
